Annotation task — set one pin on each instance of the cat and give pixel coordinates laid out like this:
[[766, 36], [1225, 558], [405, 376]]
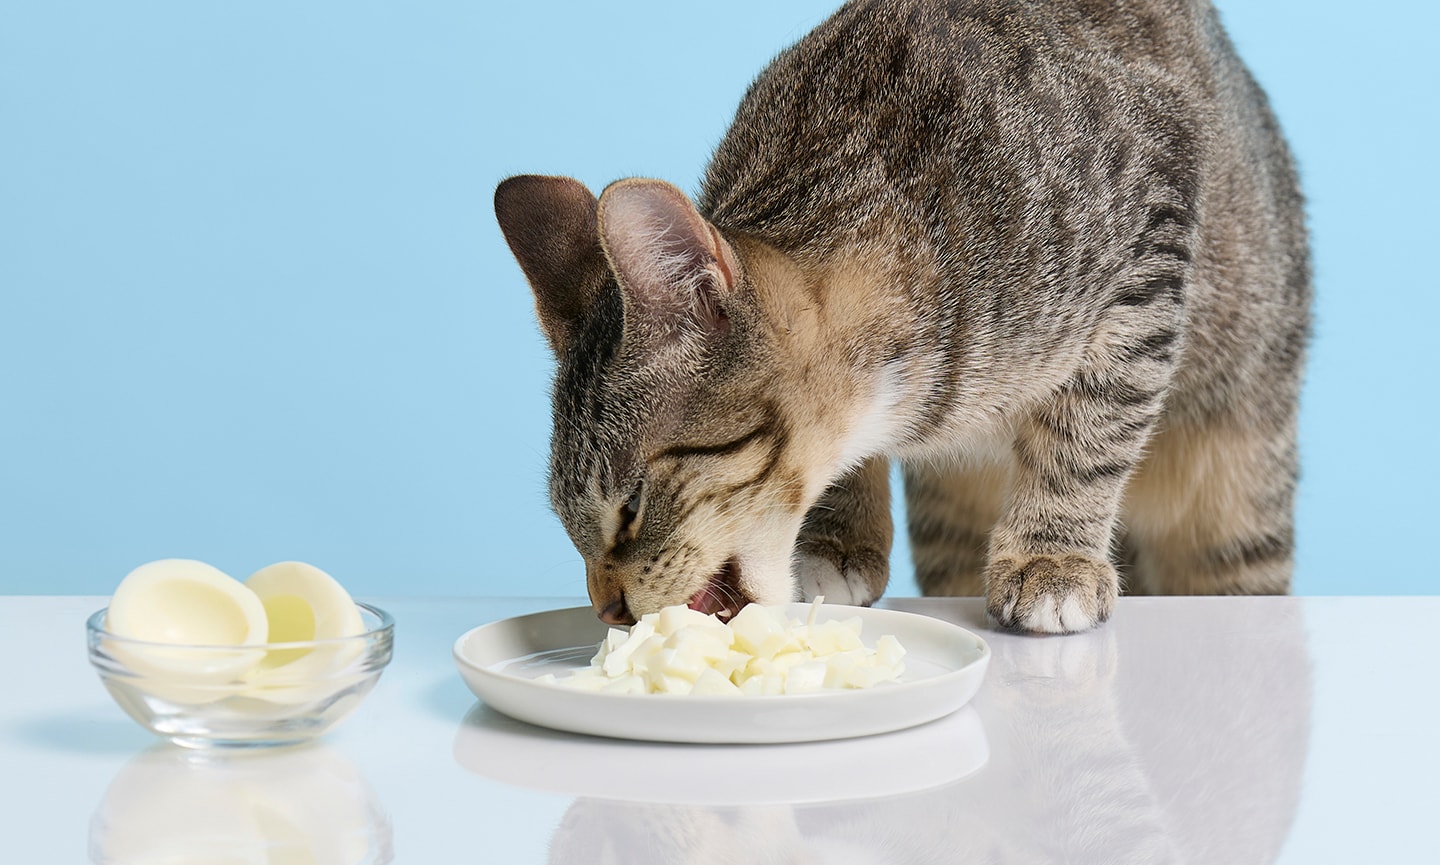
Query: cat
[[1050, 254]]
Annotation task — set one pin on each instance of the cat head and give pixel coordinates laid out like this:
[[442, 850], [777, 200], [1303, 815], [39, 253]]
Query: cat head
[[679, 465]]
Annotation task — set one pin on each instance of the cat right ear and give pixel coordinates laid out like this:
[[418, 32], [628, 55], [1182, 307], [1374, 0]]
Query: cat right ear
[[550, 225], [675, 269]]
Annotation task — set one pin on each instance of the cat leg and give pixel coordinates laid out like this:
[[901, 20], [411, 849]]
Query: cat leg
[[1211, 510], [843, 551], [1049, 565], [951, 508]]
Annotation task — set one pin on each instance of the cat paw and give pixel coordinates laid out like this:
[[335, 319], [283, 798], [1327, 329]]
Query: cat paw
[[1050, 594], [842, 576]]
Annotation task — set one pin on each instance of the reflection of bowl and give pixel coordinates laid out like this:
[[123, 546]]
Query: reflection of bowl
[[931, 755], [305, 804], [271, 694]]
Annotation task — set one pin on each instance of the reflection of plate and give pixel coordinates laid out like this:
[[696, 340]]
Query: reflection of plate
[[920, 758], [944, 667]]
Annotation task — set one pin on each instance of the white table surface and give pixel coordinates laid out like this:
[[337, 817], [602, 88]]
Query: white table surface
[[1194, 730]]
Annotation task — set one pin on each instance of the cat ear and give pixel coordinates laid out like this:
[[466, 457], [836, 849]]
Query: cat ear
[[550, 225], [674, 267]]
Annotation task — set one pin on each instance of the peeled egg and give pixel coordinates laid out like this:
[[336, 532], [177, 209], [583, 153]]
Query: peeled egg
[[182, 602], [302, 603], [196, 635], [185, 602]]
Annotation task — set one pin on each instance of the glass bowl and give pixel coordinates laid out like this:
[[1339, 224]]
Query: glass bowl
[[271, 694]]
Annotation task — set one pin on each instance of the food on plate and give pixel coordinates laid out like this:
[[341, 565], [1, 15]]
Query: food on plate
[[762, 651]]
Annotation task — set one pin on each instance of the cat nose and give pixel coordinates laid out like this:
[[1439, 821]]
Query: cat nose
[[616, 613]]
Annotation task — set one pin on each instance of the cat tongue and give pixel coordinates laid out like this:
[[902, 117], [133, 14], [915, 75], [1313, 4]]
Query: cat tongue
[[709, 600], [722, 595]]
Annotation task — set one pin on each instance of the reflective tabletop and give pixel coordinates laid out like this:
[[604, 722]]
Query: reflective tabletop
[[1186, 730]]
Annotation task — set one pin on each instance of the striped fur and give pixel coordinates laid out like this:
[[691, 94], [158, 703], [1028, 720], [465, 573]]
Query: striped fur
[[1050, 255]]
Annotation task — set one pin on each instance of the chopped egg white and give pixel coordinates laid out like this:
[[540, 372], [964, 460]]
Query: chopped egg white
[[760, 652]]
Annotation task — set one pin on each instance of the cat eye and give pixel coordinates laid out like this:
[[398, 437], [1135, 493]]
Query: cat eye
[[629, 511]]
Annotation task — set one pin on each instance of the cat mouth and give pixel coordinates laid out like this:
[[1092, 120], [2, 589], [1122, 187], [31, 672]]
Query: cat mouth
[[722, 596]]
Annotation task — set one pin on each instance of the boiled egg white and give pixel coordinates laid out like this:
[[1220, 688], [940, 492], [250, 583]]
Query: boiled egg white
[[302, 604], [193, 631], [759, 652], [183, 602]]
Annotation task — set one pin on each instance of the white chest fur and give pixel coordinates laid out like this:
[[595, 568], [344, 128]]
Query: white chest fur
[[877, 424]]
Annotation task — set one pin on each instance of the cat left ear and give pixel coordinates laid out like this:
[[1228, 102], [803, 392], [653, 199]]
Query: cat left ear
[[675, 269], [549, 223]]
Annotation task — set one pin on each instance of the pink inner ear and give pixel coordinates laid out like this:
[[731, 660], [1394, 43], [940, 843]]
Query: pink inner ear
[[723, 258], [668, 258]]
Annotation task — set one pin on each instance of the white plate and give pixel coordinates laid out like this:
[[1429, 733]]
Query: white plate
[[944, 667]]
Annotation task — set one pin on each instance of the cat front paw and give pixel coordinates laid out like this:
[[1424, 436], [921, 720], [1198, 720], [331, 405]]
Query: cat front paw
[[842, 576], [1050, 594]]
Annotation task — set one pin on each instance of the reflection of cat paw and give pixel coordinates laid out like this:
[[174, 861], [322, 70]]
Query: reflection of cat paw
[[1064, 670], [842, 576], [1050, 594]]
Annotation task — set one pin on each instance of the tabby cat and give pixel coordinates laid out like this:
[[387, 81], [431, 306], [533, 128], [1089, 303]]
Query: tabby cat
[[1050, 254]]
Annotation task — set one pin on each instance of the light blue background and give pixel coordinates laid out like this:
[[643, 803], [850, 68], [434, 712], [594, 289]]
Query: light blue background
[[254, 304]]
